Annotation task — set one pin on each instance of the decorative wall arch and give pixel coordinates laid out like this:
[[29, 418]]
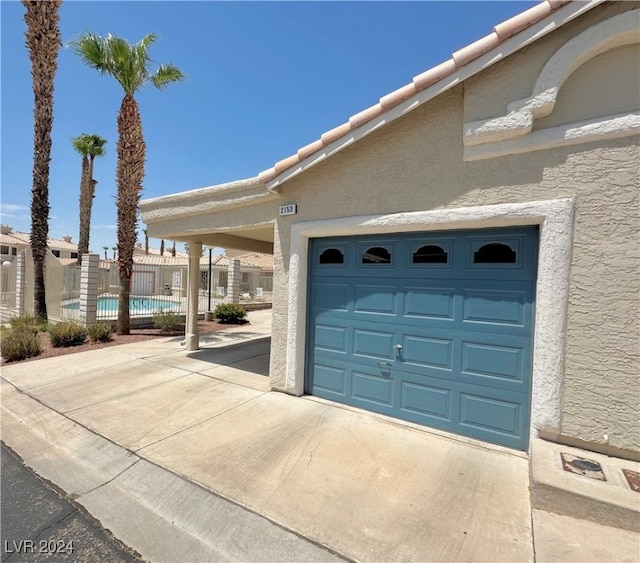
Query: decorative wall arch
[[504, 134]]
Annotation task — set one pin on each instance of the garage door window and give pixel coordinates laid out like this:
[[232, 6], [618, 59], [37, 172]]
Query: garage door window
[[376, 255], [430, 254], [494, 253], [332, 256]]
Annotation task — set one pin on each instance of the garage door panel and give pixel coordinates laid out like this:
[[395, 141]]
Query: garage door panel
[[428, 352], [426, 401], [495, 306], [372, 388], [497, 419], [330, 379], [503, 362], [332, 338], [331, 296], [378, 299], [374, 344], [429, 302]]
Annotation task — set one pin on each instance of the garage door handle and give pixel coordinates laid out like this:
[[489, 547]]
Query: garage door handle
[[398, 346]]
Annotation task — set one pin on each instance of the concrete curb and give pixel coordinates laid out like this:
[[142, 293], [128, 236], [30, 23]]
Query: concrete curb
[[610, 502]]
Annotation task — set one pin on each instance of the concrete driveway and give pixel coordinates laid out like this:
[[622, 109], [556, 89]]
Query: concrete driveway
[[190, 457]]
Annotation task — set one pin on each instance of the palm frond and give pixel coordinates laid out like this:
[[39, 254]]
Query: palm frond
[[166, 74], [92, 51]]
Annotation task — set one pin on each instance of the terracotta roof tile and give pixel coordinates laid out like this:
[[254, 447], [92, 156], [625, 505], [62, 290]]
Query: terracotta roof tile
[[474, 50], [460, 58], [431, 76], [267, 175], [309, 149], [364, 116], [397, 96], [521, 21], [287, 163], [335, 133]]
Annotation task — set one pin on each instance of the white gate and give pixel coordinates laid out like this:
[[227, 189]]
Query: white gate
[[142, 283]]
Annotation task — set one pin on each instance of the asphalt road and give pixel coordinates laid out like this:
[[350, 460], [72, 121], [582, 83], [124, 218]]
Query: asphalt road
[[38, 523]]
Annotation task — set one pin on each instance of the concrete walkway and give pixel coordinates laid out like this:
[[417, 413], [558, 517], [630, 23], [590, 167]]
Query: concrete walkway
[[189, 457]]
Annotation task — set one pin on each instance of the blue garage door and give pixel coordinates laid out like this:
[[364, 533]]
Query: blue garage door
[[432, 328]]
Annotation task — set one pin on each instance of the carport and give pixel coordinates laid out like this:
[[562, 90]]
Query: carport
[[236, 215]]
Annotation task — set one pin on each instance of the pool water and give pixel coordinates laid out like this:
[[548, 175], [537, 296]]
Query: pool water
[[151, 304]]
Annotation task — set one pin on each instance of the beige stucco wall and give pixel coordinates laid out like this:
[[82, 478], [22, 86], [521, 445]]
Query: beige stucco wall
[[416, 163]]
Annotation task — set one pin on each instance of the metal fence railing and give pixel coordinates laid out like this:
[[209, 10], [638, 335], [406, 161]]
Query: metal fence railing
[[166, 290]]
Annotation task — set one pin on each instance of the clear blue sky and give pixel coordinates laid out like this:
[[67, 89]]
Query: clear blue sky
[[263, 79]]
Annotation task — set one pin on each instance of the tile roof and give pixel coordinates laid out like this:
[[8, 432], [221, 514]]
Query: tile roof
[[224, 261], [460, 58], [262, 261], [219, 261], [13, 239], [138, 251], [157, 260], [18, 238]]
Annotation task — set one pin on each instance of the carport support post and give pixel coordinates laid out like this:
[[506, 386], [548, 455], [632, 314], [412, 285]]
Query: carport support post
[[89, 275], [191, 340]]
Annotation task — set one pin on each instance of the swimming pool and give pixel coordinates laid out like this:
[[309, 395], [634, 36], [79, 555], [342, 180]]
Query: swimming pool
[[140, 305]]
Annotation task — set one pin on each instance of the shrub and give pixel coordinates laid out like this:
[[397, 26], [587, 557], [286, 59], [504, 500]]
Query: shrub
[[167, 321], [230, 313], [67, 333], [100, 332], [28, 320], [20, 343]]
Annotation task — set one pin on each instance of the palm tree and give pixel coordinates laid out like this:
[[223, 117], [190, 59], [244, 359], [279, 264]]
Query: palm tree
[[43, 42], [88, 146], [105, 248], [173, 249], [146, 242], [129, 65], [162, 247], [114, 248]]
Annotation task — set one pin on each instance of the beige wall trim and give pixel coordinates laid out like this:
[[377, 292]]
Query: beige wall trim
[[518, 122], [560, 17], [597, 129], [555, 219], [203, 200]]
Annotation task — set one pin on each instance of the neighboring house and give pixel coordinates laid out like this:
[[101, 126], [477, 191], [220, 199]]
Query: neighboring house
[[463, 254], [154, 274], [262, 261], [12, 242], [62, 277]]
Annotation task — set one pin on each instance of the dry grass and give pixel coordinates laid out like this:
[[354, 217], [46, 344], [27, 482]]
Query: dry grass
[[137, 335]]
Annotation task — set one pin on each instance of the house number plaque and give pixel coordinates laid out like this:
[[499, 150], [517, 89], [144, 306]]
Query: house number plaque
[[290, 209]]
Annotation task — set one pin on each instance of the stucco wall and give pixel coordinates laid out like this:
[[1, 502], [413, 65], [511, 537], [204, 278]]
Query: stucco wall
[[416, 163]]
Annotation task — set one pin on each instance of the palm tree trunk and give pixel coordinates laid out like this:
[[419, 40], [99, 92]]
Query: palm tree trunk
[[85, 209], [130, 172], [43, 42]]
